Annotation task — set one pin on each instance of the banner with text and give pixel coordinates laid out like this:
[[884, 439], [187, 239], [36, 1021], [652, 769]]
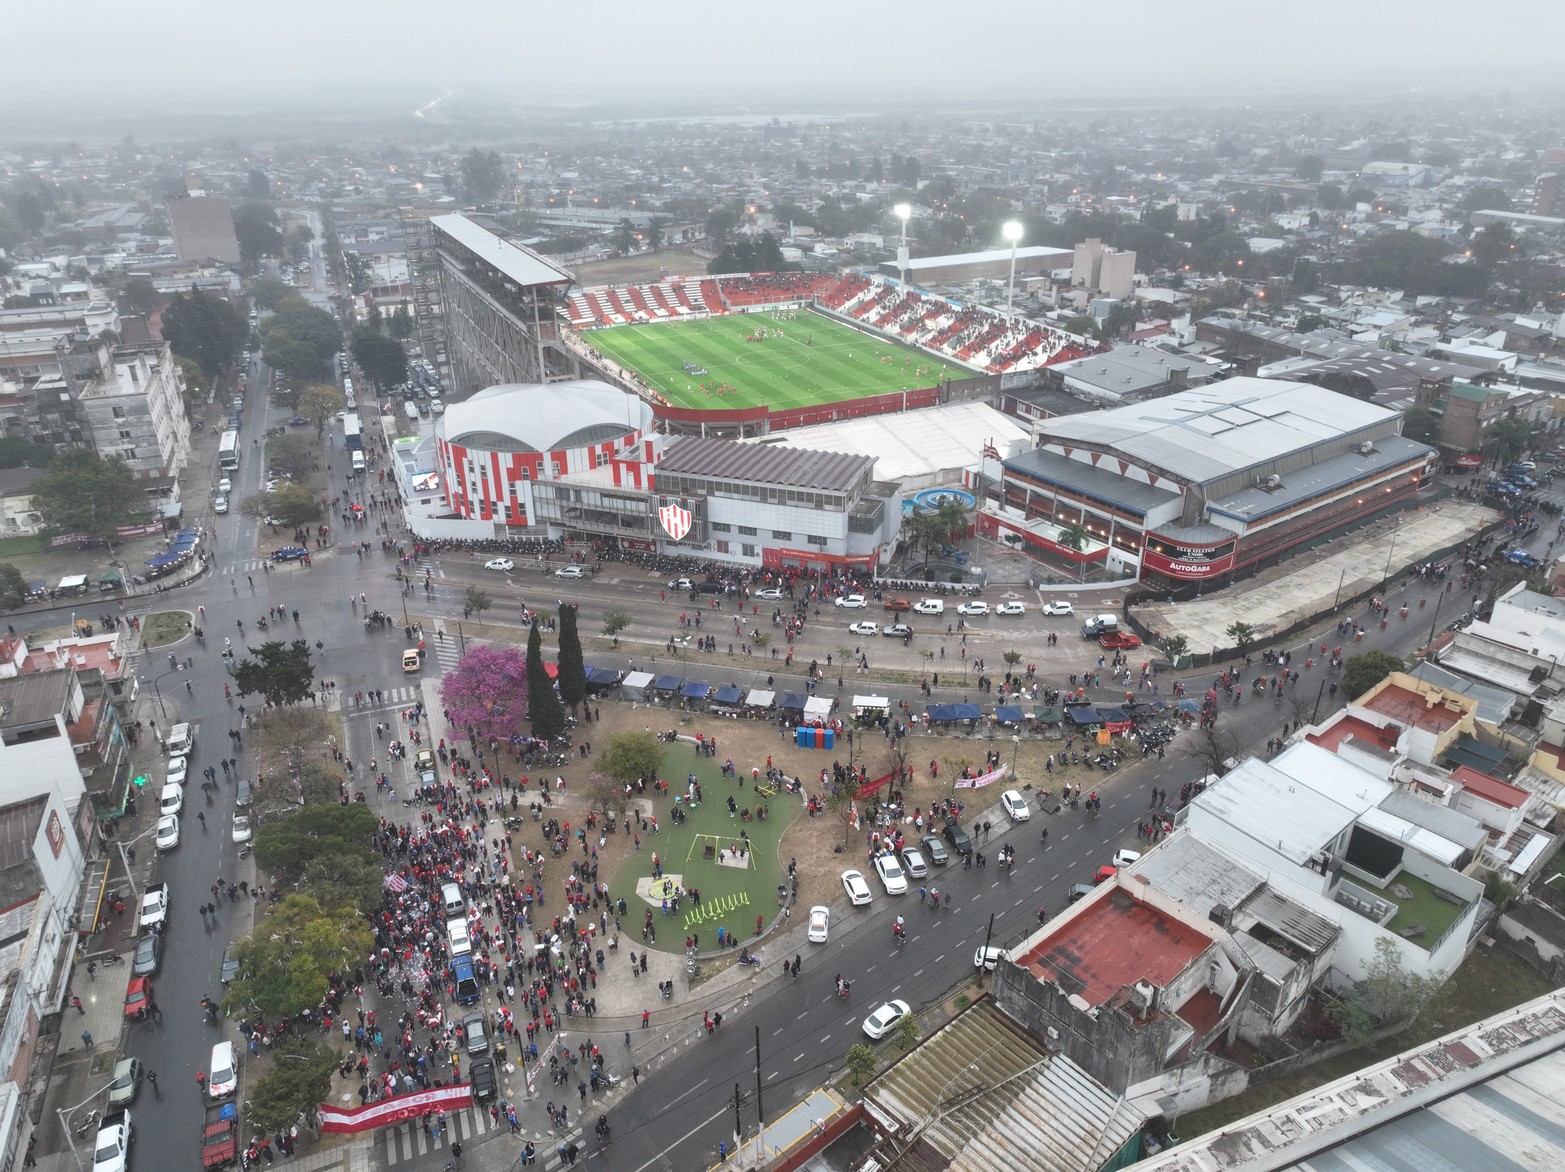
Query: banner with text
[[982, 779], [389, 1111]]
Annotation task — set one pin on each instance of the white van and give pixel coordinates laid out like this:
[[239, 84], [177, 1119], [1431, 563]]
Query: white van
[[457, 937], [222, 1078], [451, 901], [181, 739], [358, 461]]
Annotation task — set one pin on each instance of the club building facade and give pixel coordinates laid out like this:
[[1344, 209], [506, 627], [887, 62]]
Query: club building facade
[[580, 460], [1204, 482]]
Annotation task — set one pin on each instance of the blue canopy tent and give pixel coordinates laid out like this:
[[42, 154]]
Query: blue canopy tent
[[668, 683], [1082, 715], [600, 679], [696, 691], [1190, 707], [1008, 714], [1113, 715], [159, 561], [793, 701], [730, 696], [938, 713]]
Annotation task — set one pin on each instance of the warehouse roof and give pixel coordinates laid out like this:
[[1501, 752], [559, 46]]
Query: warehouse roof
[[795, 467], [1214, 431]]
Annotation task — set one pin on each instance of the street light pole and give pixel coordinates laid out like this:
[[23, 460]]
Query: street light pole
[[902, 211], [1016, 744], [65, 1114], [130, 882], [1012, 231]]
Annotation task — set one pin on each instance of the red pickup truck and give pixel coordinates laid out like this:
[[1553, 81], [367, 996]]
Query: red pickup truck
[[220, 1135], [1119, 641]]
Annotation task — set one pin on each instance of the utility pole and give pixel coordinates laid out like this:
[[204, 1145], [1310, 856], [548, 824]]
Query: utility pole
[[760, 1109], [738, 1129], [988, 936]]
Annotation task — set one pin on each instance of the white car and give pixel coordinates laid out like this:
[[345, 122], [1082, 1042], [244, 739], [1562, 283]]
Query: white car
[[929, 606], [973, 608], [913, 862], [499, 564], [1011, 608], [851, 601], [854, 883], [154, 907], [681, 584], [1059, 606], [1125, 858], [770, 592], [111, 1149], [878, 1024], [570, 572], [892, 877], [241, 828], [168, 833], [225, 486], [820, 923], [987, 958], [171, 800], [276, 482], [176, 770], [865, 628], [220, 505], [1015, 806]]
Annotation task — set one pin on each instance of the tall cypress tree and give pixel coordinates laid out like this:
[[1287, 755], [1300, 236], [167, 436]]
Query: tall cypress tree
[[544, 712], [573, 672]]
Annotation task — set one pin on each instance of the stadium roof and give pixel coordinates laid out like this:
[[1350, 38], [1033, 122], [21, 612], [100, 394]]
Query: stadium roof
[[543, 417], [1214, 431], [1033, 252], [914, 447], [795, 467], [522, 265]]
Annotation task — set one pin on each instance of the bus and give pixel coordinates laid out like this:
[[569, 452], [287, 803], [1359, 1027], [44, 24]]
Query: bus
[[228, 452], [352, 437]]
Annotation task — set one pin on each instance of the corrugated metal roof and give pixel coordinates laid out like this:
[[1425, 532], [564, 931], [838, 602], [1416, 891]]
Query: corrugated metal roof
[[760, 464], [522, 265]]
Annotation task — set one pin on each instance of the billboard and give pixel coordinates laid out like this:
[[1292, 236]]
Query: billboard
[[1192, 568]]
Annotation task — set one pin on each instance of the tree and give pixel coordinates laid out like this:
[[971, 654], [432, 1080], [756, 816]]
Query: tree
[[720, 224], [655, 233], [1082, 326], [908, 1033], [628, 756], [475, 601], [284, 967], [1421, 425], [1362, 672], [380, 357], [1309, 168], [195, 384], [625, 237], [84, 493], [297, 1083], [614, 621], [13, 587], [302, 337], [486, 693], [266, 293], [1243, 635], [292, 505], [401, 324], [862, 1061], [16, 452], [1509, 438], [544, 710], [140, 295], [481, 175], [1074, 536], [1388, 995], [345, 878], [257, 229], [280, 672], [1175, 647], [286, 846], [257, 185], [1485, 197], [573, 672], [1213, 749], [205, 329], [318, 403], [293, 456]]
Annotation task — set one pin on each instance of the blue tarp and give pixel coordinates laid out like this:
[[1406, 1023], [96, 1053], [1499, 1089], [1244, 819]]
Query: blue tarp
[[667, 683], [953, 712], [728, 695], [158, 561], [966, 711], [601, 676], [1113, 715], [791, 700], [695, 691], [1193, 707], [1008, 714], [1082, 715]]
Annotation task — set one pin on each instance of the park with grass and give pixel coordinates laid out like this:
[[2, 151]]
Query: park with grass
[[798, 359], [733, 861]]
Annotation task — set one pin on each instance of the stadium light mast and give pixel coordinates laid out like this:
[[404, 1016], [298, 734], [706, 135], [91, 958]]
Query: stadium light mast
[[1012, 231], [902, 212]]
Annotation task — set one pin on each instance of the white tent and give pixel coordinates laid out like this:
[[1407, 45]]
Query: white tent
[[635, 685], [817, 709]]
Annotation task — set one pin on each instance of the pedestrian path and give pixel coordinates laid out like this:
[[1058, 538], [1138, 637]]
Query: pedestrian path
[[407, 1141], [405, 696]]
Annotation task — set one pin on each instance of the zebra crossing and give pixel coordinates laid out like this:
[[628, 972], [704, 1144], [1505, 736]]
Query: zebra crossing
[[407, 1141], [404, 696]]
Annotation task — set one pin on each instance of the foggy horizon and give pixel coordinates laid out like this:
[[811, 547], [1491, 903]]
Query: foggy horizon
[[332, 70]]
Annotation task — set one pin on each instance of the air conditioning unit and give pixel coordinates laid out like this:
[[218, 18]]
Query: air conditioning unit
[[1272, 481], [1366, 447]]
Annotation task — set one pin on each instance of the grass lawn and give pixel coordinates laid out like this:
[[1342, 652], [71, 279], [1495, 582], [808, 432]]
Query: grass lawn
[[164, 627], [1491, 981], [731, 897], [11, 547], [816, 360]]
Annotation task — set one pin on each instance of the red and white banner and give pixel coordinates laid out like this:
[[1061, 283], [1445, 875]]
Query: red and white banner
[[982, 779], [389, 1111]]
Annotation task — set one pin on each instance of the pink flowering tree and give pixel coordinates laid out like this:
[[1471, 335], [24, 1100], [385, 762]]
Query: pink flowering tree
[[486, 693]]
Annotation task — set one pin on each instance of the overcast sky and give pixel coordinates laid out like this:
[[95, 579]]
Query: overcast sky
[[215, 54]]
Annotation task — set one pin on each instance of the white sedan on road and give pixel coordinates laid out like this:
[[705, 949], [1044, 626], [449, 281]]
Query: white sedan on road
[[857, 887], [865, 628], [1059, 606], [1011, 608], [770, 592], [570, 572], [878, 1024], [168, 833], [851, 601], [820, 923], [970, 608], [499, 564]]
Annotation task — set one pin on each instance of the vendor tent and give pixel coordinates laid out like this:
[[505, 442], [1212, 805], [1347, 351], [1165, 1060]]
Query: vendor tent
[[876, 703], [792, 701], [1082, 715], [817, 708], [669, 684], [760, 698], [696, 690], [600, 679], [729, 696], [636, 685], [1049, 715], [1008, 714]]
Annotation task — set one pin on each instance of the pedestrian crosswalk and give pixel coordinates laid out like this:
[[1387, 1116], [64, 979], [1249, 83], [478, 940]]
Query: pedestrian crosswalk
[[407, 1141], [400, 697]]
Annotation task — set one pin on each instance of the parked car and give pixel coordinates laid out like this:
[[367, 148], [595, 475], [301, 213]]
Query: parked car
[[898, 604], [220, 505], [149, 955], [936, 850], [897, 631], [972, 608], [957, 837], [850, 601], [913, 863], [111, 1149], [1125, 858], [771, 593], [1016, 808], [230, 968], [864, 628], [929, 606], [242, 793], [1058, 606], [168, 833], [128, 1073], [171, 800], [1119, 641], [878, 1024], [242, 830], [138, 998], [473, 1036], [820, 923], [502, 564], [987, 958], [854, 884], [154, 907], [892, 877], [481, 1077], [289, 553], [1011, 608], [570, 572]]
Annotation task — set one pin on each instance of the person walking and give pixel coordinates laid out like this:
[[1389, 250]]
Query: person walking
[[87, 1039], [152, 1080], [76, 1004]]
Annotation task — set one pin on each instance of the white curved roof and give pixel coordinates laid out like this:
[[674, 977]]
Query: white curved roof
[[543, 417]]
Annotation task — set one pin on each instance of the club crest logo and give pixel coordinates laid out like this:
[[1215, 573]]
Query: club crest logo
[[675, 519]]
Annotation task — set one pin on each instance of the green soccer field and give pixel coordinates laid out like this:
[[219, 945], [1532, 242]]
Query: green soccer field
[[803, 361]]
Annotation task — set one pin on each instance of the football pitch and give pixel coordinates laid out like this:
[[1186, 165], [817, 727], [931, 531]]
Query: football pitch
[[801, 361]]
